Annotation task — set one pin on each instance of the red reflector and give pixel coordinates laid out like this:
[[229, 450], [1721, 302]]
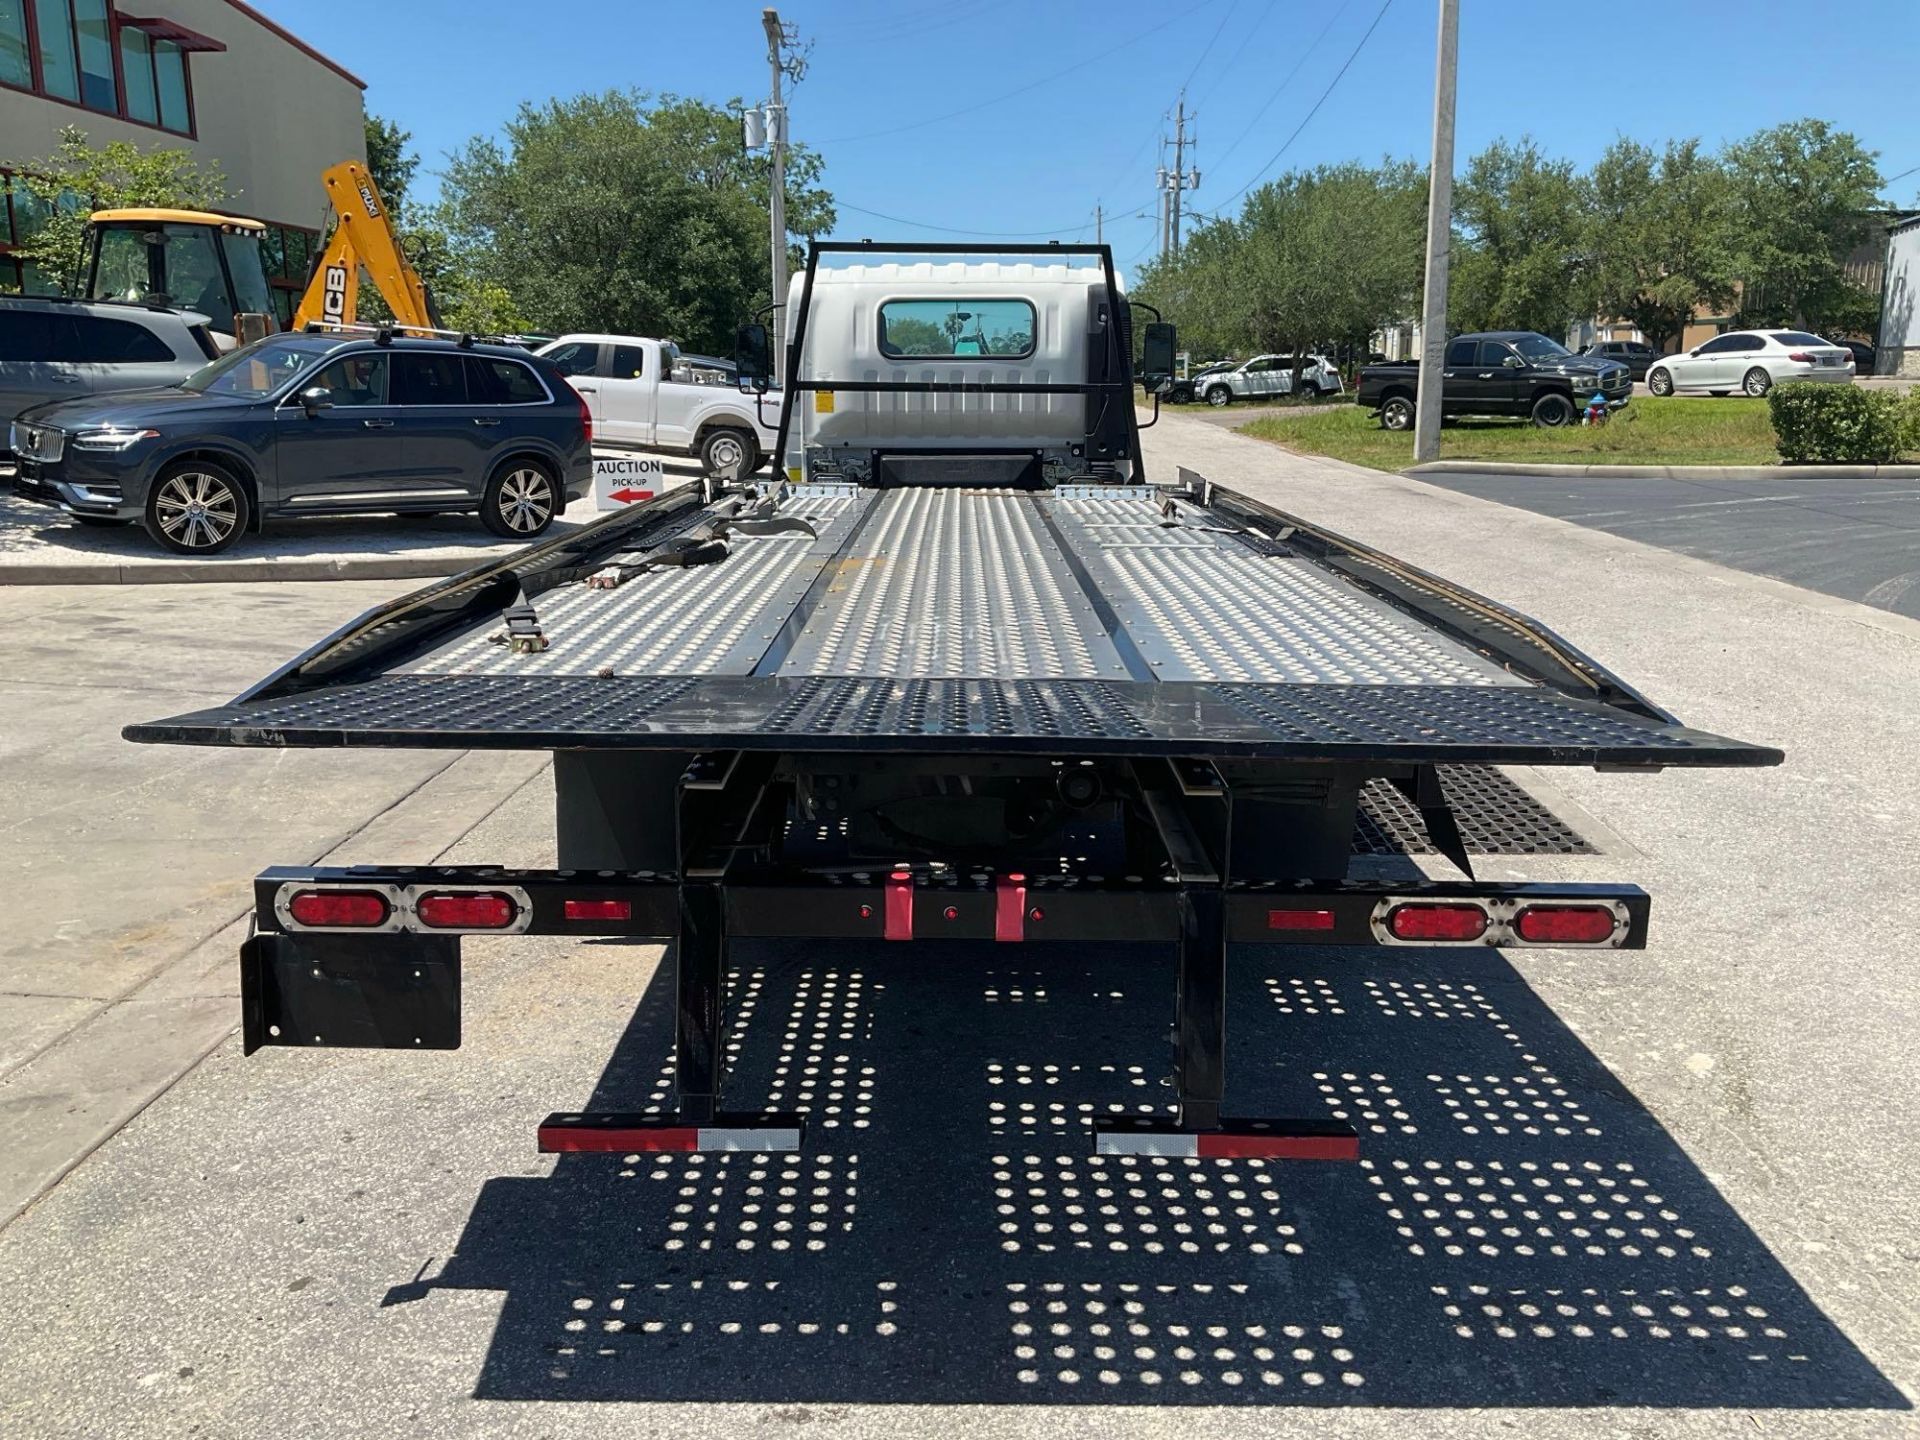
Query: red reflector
[[1299, 919], [1278, 1147], [897, 921], [1437, 922], [598, 910], [1564, 924], [339, 907], [1010, 907], [568, 1139], [465, 910]]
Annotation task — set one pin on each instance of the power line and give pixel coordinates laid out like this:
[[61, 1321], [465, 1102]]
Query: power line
[[1210, 44], [1079, 226], [1305, 55], [1352, 56], [1046, 79]]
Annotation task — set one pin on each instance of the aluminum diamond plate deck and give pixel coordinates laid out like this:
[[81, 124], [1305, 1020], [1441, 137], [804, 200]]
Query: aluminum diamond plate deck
[[1218, 610], [709, 620], [950, 584]]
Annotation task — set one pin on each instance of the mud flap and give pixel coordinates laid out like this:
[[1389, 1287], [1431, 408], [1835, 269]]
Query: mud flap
[[378, 992]]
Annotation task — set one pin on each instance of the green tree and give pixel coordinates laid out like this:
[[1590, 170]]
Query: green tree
[[78, 179], [390, 162], [1287, 273], [623, 212], [1659, 236], [1804, 195], [1518, 259]]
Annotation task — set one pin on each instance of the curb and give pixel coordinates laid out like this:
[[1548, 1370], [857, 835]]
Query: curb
[[1672, 472], [191, 572]]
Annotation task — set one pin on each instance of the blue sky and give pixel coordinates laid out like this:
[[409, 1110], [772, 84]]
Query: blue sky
[[1065, 101]]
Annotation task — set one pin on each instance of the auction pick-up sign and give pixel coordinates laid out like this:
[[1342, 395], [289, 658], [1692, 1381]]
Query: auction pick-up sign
[[619, 481]]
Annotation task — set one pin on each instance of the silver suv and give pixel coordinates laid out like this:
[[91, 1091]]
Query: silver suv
[[56, 348]]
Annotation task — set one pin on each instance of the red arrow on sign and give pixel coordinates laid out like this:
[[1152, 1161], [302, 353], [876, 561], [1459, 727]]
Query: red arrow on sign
[[627, 497]]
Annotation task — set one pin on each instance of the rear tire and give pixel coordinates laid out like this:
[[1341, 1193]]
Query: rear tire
[[197, 507], [1396, 413], [1551, 412], [520, 500], [1219, 396], [729, 453], [1757, 382], [1660, 382]]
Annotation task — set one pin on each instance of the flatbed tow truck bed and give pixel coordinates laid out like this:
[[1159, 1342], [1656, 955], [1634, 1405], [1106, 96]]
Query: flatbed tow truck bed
[[1086, 709]]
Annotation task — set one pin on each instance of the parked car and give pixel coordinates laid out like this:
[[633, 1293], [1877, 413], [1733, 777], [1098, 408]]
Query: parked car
[[53, 347], [1185, 392], [1751, 361], [1267, 377], [1865, 357], [1636, 355], [1499, 372], [645, 393], [316, 424]]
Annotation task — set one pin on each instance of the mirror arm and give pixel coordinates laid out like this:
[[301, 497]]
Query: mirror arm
[[1156, 414]]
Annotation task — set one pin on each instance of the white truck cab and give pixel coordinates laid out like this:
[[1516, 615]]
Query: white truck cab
[[642, 392]]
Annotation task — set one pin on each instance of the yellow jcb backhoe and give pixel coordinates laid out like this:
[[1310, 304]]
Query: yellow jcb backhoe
[[362, 237]]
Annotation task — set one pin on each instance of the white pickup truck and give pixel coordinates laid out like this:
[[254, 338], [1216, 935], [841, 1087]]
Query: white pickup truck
[[644, 393]]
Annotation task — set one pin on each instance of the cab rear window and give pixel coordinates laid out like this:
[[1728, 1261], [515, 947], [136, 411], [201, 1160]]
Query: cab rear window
[[1001, 328]]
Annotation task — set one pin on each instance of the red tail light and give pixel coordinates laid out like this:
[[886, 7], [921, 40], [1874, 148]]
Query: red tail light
[[465, 910], [586, 415], [358, 909], [598, 910], [1802, 356], [1423, 921], [1565, 924], [1299, 920]]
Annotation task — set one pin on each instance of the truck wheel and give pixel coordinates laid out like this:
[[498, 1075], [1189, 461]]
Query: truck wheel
[[197, 507], [1396, 413], [1219, 395], [519, 502], [1757, 383], [729, 454], [1552, 411], [1660, 382]]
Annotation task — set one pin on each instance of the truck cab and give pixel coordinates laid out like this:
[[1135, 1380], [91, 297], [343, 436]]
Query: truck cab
[[644, 393]]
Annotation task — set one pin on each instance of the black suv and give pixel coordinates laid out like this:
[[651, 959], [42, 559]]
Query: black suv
[[1499, 372], [317, 424], [1636, 355]]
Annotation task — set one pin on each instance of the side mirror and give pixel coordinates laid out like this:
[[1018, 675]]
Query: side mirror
[[753, 358], [315, 398], [1514, 362], [1158, 345]]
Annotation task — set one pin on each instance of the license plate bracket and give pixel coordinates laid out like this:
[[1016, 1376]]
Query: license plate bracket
[[378, 992]]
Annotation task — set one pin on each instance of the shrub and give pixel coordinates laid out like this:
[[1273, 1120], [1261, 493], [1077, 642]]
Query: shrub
[[1837, 424]]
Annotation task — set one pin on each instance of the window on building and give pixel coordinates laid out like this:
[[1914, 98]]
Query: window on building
[[95, 37], [170, 73], [16, 61], [59, 67], [136, 71]]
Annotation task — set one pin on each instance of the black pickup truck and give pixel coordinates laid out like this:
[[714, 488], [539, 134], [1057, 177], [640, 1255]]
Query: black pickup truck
[[1500, 372]]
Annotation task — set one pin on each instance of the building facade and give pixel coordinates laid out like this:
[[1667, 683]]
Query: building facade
[[215, 78], [1898, 344]]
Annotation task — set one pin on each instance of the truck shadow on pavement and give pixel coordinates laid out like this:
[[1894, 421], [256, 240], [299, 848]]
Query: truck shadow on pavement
[[1521, 1232]]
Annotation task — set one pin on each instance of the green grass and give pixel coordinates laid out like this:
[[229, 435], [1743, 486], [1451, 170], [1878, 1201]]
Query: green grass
[[1696, 430]]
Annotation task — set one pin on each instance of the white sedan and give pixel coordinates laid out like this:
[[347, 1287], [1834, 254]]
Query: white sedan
[[1752, 361]]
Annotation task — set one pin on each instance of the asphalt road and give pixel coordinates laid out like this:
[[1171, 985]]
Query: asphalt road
[[1664, 1193], [1858, 539]]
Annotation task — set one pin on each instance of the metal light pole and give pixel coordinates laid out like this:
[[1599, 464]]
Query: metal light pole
[[777, 206], [1433, 318]]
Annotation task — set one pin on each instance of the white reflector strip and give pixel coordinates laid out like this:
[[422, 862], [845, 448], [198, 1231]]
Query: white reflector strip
[[1145, 1142], [727, 1138]]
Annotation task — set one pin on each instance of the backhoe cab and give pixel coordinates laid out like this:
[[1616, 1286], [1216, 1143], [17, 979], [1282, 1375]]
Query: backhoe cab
[[187, 259]]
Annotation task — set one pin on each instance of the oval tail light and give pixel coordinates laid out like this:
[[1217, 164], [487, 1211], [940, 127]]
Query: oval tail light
[[339, 909], [1565, 924], [1435, 921], [465, 910]]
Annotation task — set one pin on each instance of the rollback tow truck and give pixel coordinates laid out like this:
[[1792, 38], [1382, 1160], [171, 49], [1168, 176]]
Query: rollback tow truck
[[963, 672]]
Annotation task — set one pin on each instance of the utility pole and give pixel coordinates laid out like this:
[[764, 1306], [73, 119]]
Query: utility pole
[[1173, 183], [1098, 237], [777, 136], [1433, 318]]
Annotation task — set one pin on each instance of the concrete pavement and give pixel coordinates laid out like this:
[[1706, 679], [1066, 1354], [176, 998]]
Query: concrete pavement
[[1650, 1194]]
